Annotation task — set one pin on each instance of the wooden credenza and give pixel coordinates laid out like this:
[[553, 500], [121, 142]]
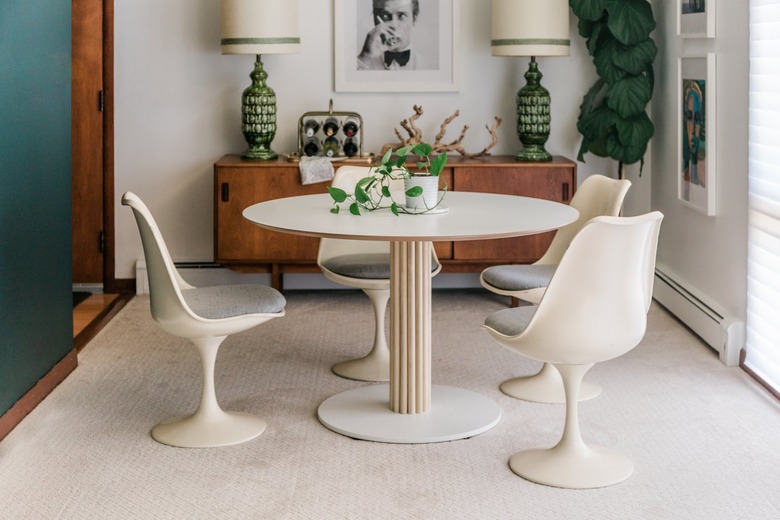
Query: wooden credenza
[[243, 246]]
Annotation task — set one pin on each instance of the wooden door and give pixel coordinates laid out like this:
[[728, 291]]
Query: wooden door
[[87, 141]]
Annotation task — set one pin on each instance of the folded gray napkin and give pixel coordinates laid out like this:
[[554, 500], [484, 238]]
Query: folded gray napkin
[[315, 169]]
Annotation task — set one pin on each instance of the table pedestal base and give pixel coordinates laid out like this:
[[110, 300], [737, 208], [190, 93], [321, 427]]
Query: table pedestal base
[[364, 413]]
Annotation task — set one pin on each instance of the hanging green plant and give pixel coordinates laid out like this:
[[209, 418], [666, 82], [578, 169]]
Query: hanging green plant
[[613, 119], [373, 192]]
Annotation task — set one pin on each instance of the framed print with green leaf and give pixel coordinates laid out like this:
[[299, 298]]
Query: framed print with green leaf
[[696, 170]]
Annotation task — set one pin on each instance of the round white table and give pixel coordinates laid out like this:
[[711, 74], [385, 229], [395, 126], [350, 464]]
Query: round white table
[[410, 409]]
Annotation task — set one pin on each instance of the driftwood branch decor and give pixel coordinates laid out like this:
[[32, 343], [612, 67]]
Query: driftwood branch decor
[[415, 135]]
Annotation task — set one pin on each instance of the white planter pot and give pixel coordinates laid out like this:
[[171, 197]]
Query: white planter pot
[[429, 196]]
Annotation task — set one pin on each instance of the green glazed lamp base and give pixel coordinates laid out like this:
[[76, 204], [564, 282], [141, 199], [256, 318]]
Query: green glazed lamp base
[[533, 117], [260, 152], [533, 153], [258, 116]]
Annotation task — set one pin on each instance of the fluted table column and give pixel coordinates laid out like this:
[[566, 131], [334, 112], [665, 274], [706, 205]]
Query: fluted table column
[[410, 327]]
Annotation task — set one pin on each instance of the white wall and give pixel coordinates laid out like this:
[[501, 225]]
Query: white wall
[[709, 253], [178, 108]]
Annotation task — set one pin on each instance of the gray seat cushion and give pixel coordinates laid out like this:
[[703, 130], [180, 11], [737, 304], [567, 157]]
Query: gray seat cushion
[[519, 277], [225, 301], [512, 321], [366, 266]]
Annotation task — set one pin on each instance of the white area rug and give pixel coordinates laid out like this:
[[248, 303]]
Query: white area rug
[[704, 438]]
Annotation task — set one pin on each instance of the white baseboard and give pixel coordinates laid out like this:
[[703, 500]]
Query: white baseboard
[[722, 332]]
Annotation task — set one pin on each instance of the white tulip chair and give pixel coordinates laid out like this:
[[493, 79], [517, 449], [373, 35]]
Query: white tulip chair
[[597, 196], [594, 309], [205, 316]]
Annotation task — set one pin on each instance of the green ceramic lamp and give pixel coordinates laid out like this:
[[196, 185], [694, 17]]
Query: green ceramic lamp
[[259, 27], [531, 28]]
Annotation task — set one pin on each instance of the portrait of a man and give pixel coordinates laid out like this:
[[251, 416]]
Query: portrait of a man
[[391, 44], [396, 45]]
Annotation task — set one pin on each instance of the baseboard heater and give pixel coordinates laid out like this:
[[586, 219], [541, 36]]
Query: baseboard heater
[[724, 333]]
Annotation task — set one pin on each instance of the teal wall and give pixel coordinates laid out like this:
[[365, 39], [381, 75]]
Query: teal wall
[[36, 319]]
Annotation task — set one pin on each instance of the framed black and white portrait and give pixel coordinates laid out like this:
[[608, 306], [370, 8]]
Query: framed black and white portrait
[[396, 45]]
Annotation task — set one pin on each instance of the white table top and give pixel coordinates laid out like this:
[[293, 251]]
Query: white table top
[[470, 216]]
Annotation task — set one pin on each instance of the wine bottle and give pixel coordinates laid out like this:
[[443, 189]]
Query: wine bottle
[[311, 147], [351, 126], [310, 127], [350, 146], [331, 126], [331, 146]]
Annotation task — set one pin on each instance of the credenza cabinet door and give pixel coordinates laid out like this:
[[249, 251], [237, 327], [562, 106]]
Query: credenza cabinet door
[[549, 182], [236, 239]]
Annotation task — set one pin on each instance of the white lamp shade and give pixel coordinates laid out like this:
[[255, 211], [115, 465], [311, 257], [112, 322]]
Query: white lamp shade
[[530, 28], [260, 27]]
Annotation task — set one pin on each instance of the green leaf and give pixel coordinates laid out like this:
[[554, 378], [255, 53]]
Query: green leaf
[[631, 21], [650, 75], [598, 32], [365, 183], [423, 149], [597, 122], [337, 194], [588, 9], [438, 163], [360, 195], [386, 191], [354, 208], [629, 143], [414, 191], [604, 60], [622, 153], [394, 208], [583, 149], [404, 151], [387, 155], [334, 209], [589, 100], [598, 146], [590, 122], [635, 131], [585, 27], [637, 58], [629, 96]]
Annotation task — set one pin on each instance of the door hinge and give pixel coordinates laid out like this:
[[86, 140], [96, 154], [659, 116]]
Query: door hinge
[[101, 101], [101, 242]]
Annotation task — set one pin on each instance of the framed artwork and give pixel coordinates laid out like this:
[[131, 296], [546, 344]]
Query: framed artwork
[[696, 18], [396, 45], [697, 180]]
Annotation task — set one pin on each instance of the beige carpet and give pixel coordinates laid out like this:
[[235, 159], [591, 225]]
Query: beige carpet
[[704, 438]]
